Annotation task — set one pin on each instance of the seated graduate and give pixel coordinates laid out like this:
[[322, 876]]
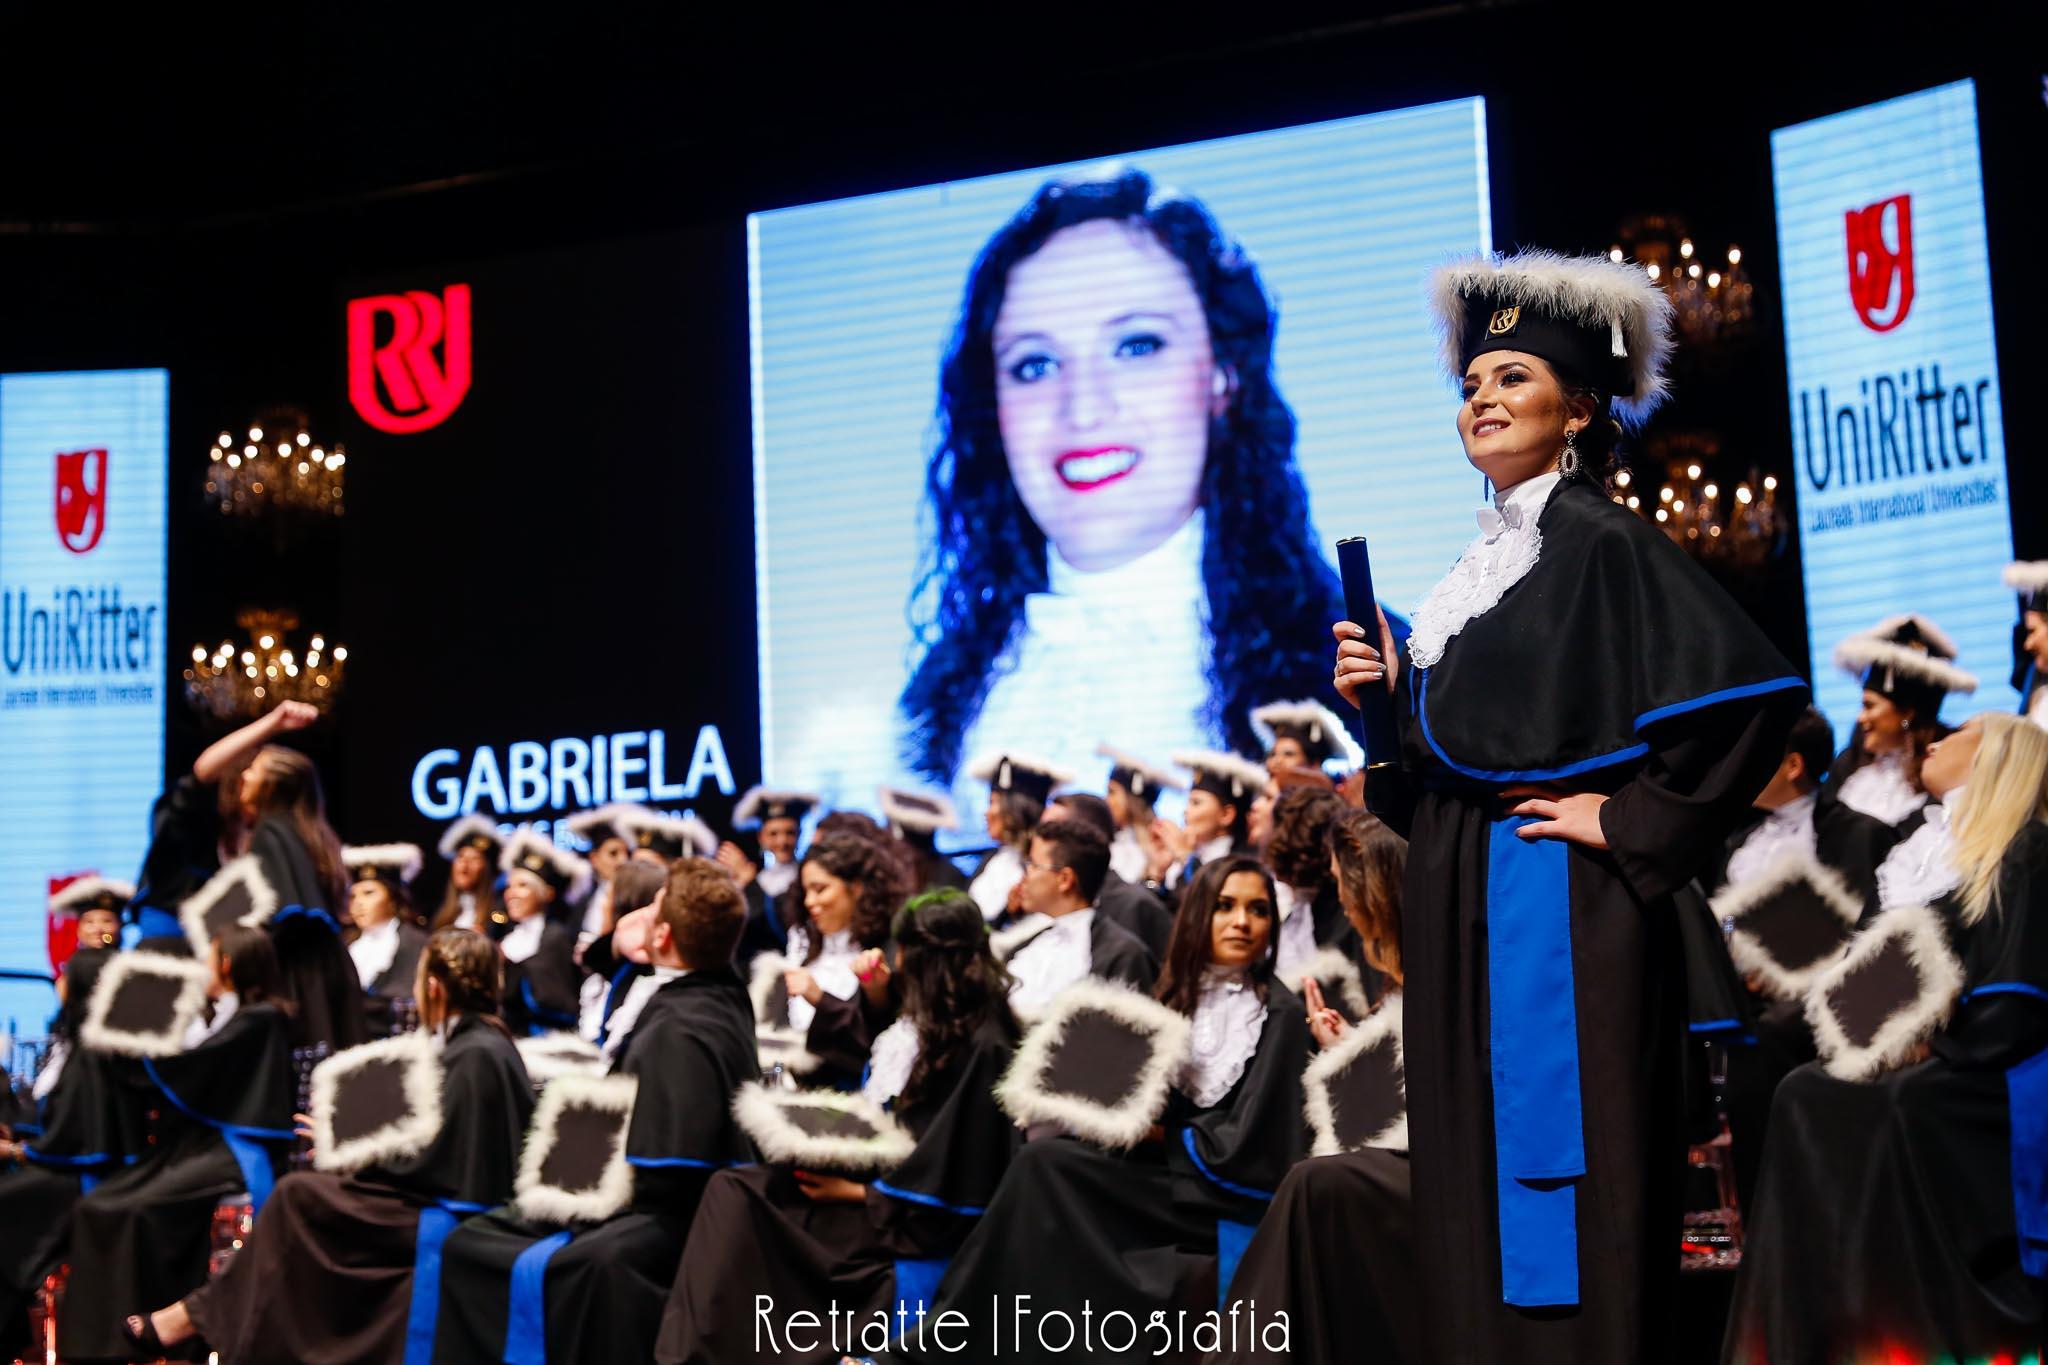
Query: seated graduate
[[1134, 789], [1063, 937], [853, 885], [471, 845], [1907, 664], [327, 1273], [915, 818], [819, 1241], [385, 944], [1298, 851], [661, 839], [1018, 788], [1218, 819], [2030, 637], [619, 955], [542, 979], [777, 821], [1137, 1231], [606, 830], [1902, 1211], [1126, 903], [142, 1235], [690, 1048], [1335, 1251]]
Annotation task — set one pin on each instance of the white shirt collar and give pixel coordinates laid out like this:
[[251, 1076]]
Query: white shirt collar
[[629, 1010], [1529, 495], [374, 950], [522, 940], [776, 878], [1229, 1017], [1059, 956]]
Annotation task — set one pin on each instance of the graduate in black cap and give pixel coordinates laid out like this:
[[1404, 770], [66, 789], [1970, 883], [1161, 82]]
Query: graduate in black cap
[[1304, 734], [472, 846], [661, 839], [384, 943], [329, 1271], [2029, 578], [602, 1284], [1218, 818], [1903, 1208], [916, 817], [608, 831], [1585, 716], [1018, 788], [96, 903], [1907, 666], [542, 979], [777, 821], [1134, 789]]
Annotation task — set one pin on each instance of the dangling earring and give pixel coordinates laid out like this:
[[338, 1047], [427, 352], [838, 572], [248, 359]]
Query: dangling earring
[[1568, 462]]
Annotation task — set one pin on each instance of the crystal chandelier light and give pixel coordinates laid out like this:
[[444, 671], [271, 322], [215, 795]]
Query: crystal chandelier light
[[278, 467], [241, 682], [1710, 301]]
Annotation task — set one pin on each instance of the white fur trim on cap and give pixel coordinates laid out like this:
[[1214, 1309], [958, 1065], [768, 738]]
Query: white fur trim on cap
[[1166, 779], [620, 815], [1317, 1104], [90, 889], [244, 872], [1312, 716], [693, 834], [1333, 966], [745, 815], [192, 979], [1023, 1094], [1751, 957], [1941, 980], [1251, 777], [409, 1136], [1863, 651], [897, 812], [2026, 575], [614, 1189], [407, 858], [1591, 291], [453, 837], [566, 864], [548, 1055], [764, 1115], [983, 769]]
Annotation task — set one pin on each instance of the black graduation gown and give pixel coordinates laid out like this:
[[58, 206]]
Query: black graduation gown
[[1116, 954], [184, 850], [542, 994], [394, 982], [1885, 1225], [327, 1273], [756, 1232], [769, 919], [1134, 1232], [1145, 916], [691, 1048], [140, 1238], [318, 975], [1634, 677]]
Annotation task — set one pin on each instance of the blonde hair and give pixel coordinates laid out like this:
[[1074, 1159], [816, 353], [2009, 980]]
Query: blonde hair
[[2007, 789]]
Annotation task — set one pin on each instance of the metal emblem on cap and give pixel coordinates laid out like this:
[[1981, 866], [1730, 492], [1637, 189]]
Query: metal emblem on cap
[[1504, 321]]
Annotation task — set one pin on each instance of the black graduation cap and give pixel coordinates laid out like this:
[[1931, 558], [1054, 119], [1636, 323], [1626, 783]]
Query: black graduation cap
[[533, 852], [1356, 1093], [1342, 983], [1009, 771], [573, 1168], [237, 894], [1315, 727], [1141, 779], [1891, 990], [92, 893], [471, 831], [1232, 780], [672, 837], [776, 1044], [2029, 578], [916, 812], [143, 1003], [1097, 1063], [1788, 923], [548, 1055], [375, 1103], [395, 865], [825, 1130], [1907, 659], [604, 823], [1600, 322], [758, 805]]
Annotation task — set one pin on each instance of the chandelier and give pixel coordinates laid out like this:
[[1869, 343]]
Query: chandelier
[[1740, 525], [242, 682], [278, 467], [1709, 302]]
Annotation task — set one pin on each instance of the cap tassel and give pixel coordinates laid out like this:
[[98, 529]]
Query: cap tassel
[[1620, 347]]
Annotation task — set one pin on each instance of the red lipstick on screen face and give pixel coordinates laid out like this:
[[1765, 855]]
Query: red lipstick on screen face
[[1082, 470]]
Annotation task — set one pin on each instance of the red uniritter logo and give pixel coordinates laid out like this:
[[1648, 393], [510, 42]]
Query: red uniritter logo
[[422, 389], [81, 498], [1881, 261]]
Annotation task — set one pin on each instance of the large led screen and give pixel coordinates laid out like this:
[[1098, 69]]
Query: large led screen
[[1897, 443], [1058, 457]]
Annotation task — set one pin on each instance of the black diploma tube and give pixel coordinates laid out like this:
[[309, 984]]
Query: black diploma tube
[[1375, 703]]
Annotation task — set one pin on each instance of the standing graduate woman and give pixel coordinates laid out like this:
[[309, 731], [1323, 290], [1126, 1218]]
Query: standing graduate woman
[[1905, 1217], [327, 1273], [142, 1236], [821, 1242], [1550, 818], [1137, 1231]]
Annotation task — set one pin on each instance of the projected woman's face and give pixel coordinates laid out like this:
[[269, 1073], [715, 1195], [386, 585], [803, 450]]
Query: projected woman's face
[[1105, 386]]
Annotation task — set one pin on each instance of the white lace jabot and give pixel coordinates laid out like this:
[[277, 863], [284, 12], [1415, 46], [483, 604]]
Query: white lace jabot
[[1881, 790], [1789, 826], [1505, 549], [1918, 870], [1229, 1018], [1051, 962], [890, 1060], [833, 971]]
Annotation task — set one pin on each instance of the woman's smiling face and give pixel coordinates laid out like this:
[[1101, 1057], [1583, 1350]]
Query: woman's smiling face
[[1105, 387]]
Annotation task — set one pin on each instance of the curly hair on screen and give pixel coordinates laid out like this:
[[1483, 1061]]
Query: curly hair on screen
[[1271, 595]]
